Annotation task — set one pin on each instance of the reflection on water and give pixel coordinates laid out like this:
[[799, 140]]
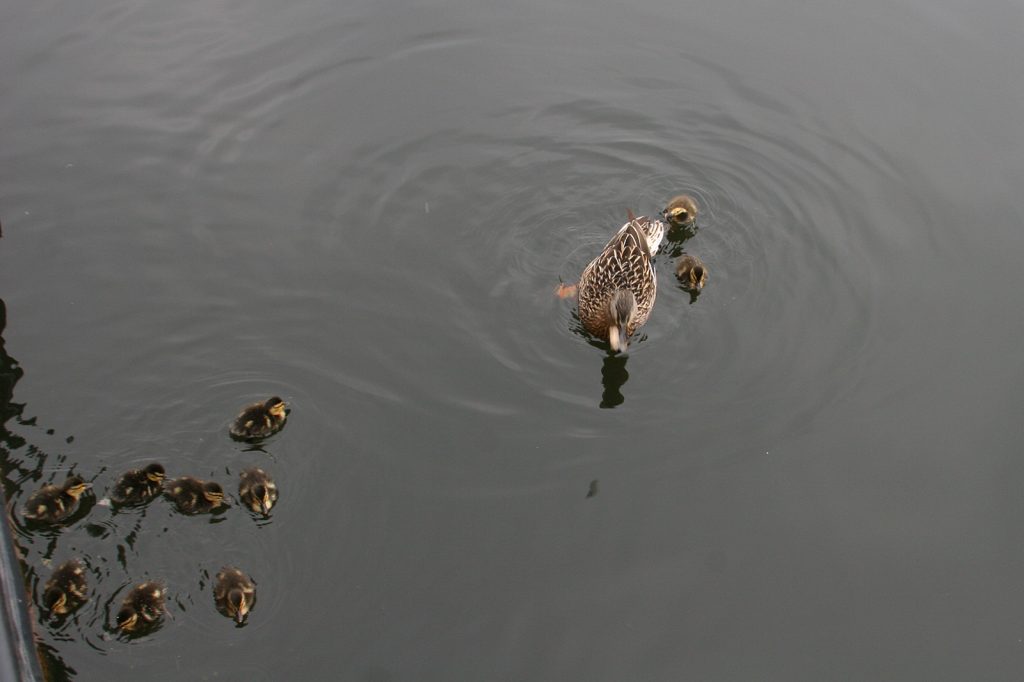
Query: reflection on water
[[613, 377], [14, 472]]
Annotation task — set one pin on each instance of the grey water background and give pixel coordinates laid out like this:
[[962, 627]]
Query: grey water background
[[811, 472]]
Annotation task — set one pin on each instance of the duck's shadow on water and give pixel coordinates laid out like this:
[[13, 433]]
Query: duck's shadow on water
[[676, 236], [613, 366], [613, 376]]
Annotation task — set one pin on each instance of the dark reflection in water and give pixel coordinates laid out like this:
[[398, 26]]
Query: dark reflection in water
[[54, 667], [12, 472], [10, 373], [613, 377]]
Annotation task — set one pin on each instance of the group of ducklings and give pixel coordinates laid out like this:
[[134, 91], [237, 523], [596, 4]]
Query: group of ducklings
[[234, 591], [617, 290]]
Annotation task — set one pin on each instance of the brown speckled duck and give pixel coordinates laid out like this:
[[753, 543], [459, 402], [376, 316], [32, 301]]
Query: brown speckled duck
[[680, 211], [66, 589], [259, 420], [138, 486], [143, 608], [691, 271], [53, 504], [257, 490], [194, 496], [618, 288], [234, 593]]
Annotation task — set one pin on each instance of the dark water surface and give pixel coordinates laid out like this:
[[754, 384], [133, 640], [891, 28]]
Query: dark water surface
[[812, 472]]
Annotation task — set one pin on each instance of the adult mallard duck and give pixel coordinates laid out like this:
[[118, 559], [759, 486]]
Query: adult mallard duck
[[257, 490], [143, 608], [194, 496], [680, 211], [234, 593], [66, 589], [138, 486], [53, 504], [692, 272], [617, 289], [259, 420]]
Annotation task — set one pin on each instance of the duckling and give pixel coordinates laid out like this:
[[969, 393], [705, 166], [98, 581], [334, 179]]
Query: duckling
[[142, 608], [692, 271], [193, 496], [66, 589], [234, 593], [52, 504], [257, 490], [618, 288], [681, 210], [138, 486], [259, 420]]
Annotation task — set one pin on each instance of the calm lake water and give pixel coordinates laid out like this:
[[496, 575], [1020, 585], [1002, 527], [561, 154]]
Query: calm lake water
[[814, 471]]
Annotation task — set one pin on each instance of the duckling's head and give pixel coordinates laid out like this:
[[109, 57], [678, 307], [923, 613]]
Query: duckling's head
[[56, 601], [275, 406], [75, 486], [238, 605], [623, 309], [128, 618], [155, 473], [262, 501], [213, 493], [681, 210], [692, 271]]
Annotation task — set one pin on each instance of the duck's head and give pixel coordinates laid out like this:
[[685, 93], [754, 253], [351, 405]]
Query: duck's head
[[128, 618], [262, 500], [213, 493], [155, 473], [56, 601], [681, 210], [238, 605], [622, 309], [275, 406], [692, 271], [75, 486]]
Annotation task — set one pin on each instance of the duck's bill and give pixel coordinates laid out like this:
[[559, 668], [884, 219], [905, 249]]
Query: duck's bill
[[617, 340]]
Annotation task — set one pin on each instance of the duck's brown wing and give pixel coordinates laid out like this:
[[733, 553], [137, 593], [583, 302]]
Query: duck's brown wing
[[625, 263]]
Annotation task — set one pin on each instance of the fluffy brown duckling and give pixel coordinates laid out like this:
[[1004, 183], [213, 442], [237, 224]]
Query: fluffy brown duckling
[[681, 210], [143, 608], [692, 272], [260, 420], [138, 486], [52, 503], [194, 496], [234, 593], [257, 490], [66, 589]]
